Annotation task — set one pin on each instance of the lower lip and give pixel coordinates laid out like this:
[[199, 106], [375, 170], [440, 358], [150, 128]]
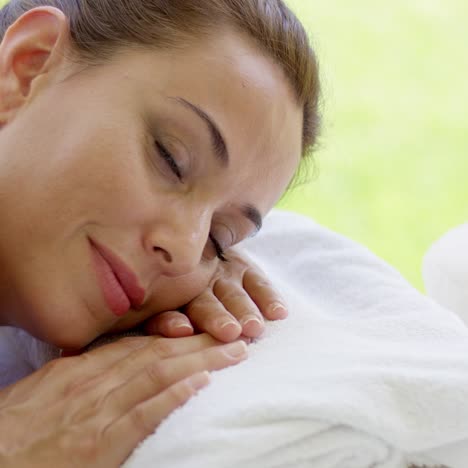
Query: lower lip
[[114, 295]]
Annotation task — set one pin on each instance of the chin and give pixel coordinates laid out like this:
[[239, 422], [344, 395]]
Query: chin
[[60, 330], [70, 338], [74, 341]]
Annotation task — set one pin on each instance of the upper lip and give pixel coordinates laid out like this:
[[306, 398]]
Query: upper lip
[[125, 276]]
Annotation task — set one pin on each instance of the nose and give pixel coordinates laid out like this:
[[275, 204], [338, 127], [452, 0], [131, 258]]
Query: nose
[[176, 242]]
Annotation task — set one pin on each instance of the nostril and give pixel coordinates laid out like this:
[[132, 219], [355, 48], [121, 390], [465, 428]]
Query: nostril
[[166, 255]]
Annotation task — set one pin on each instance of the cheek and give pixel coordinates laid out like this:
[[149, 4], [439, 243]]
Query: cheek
[[176, 292]]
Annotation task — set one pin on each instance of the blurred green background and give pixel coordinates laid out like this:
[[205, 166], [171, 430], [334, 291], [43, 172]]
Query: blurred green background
[[393, 159]]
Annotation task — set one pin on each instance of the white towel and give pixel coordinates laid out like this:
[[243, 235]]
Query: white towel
[[366, 372], [445, 271]]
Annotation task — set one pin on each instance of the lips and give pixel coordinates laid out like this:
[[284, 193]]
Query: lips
[[117, 281]]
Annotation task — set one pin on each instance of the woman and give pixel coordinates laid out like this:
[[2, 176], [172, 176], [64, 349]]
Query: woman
[[139, 142]]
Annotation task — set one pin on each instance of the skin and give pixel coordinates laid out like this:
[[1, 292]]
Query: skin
[[236, 302], [78, 159], [88, 166], [93, 410]]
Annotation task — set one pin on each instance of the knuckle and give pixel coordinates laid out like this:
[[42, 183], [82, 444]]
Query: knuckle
[[84, 446], [209, 358], [77, 387], [226, 290], [202, 300], [56, 365], [88, 448], [262, 283], [73, 389], [60, 366], [162, 348], [238, 259], [139, 420], [82, 361], [227, 272], [84, 383], [227, 283], [134, 342], [194, 307], [157, 373], [232, 295], [180, 393], [199, 306]]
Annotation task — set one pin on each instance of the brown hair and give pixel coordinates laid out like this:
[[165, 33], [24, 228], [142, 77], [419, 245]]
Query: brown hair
[[100, 27]]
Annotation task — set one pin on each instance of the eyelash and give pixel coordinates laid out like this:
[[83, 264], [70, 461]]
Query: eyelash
[[170, 161], [220, 253]]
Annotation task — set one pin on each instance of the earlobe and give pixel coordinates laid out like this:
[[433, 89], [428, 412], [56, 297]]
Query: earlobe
[[32, 46]]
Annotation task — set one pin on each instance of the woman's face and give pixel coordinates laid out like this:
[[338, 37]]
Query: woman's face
[[147, 161]]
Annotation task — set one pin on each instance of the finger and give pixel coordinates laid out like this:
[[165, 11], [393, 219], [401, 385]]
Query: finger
[[172, 324], [266, 297], [209, 315], [123, 435], [156, 348], [235, 299], [72, 370], [161, 349], [102, 340], [152, 360], [110, 353], [125, 354], [158, 375]]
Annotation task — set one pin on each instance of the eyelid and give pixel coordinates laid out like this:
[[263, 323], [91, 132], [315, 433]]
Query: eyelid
[[169, 159], [226, 227]]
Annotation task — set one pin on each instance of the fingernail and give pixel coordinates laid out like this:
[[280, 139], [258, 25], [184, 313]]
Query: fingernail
[[200, 380], [223, 323], [279, 310], [246, 320], [236, 350], [178, 323], [183, 325]]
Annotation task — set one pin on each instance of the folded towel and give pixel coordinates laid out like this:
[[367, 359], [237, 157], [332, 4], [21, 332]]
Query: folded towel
[[445, 271], [366, 372]]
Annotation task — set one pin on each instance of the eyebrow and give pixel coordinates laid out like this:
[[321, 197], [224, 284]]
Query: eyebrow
[[220, 150], [217, 140]]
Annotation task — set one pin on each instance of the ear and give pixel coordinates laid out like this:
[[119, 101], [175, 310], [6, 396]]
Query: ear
[[32, 47]]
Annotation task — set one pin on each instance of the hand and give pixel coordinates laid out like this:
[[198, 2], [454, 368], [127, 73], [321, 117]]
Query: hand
[[235, 303], [92, 410]]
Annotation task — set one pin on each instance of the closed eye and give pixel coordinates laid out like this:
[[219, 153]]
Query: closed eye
[[218, 249], [168, 159], [173, 166]]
